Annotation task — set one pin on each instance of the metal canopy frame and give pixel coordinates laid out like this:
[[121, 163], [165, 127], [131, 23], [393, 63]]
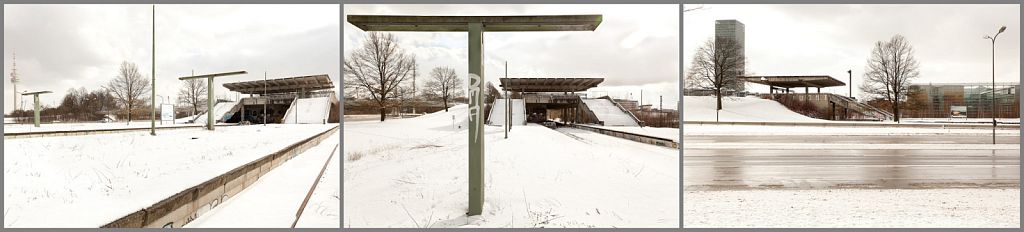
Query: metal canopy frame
[[209, 92], [35, 99], [476, 26]]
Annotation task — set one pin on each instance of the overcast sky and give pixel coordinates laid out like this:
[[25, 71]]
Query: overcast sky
[[65, 46], [830, 39], [635, 47]]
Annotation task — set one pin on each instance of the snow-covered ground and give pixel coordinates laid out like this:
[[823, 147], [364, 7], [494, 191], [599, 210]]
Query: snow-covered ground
[[837, 130], [853, 208], [19, 128], [88, 181], [608, 113], [412, 173], [273, 200], [740, 109], [308, 110], [497, 116], [960, 120]]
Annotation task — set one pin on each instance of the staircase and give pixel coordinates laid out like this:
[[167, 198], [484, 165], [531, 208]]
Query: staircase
[[865, 109]]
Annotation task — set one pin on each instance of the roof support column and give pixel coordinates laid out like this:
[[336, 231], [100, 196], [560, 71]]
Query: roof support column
[[35, 99], [476, 118]]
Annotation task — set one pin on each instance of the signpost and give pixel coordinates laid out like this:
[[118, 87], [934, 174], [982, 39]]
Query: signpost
[[167, 113], [476, 26]]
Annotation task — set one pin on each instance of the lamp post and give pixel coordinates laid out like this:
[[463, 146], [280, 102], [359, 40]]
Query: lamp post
[[993, 39]]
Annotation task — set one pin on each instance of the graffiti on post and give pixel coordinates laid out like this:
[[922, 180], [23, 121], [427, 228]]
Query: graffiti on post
[[474, 105]]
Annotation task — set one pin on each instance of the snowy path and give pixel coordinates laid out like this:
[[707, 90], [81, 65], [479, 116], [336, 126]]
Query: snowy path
[[271, 202], [88, 181], [20, 128], [497, 115], [412, 173], [853, 208]]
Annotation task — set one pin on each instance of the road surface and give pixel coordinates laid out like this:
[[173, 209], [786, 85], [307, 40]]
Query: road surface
[[709, 169]]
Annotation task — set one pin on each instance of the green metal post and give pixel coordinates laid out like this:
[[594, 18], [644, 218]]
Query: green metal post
[[35, 97], [209, 103], [476, 119]]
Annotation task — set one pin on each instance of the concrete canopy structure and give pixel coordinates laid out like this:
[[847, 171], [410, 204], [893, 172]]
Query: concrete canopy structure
[[795, 81], [476, 26], [461, 23], [549, 84], [283, 85]]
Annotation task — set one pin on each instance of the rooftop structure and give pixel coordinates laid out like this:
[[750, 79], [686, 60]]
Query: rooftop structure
[[549, 84], [818, 81], [283, 85]]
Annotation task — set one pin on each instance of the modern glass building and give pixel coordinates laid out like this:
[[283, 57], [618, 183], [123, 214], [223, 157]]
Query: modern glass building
[[940, 100], [732, 29]]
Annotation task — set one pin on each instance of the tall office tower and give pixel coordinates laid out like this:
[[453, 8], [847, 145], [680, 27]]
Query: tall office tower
[[732, 30]]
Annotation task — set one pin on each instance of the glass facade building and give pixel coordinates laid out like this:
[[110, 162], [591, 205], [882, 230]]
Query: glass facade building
[[733, 30], [938, 100]]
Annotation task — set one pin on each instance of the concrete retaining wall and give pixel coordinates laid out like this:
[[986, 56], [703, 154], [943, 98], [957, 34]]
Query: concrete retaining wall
[[187, 205], [631, 136]]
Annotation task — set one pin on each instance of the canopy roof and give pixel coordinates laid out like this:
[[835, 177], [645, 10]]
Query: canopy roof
[[283, 85], [490, 23], [549, 84], [795, 81]]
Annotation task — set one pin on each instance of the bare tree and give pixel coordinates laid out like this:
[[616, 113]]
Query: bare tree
[[379, 67], [890, 69], [129, 87], [444, 83], [193, 92], [717, 65]]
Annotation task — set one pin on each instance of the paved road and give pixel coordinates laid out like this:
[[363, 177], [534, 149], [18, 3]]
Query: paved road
[[805, 169]]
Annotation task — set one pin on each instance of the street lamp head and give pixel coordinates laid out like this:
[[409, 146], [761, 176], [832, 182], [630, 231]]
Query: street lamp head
[[987, 37], [1001, 29]]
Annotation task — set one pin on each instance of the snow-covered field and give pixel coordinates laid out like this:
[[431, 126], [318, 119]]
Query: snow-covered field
[[412, 173], [853, 208], [19, 128], [740, 109], [831, 130], [271, 202], [88, 181], [610, 114]]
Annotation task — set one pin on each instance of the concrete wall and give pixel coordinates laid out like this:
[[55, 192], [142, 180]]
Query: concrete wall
[[187, 205], [665, 142]]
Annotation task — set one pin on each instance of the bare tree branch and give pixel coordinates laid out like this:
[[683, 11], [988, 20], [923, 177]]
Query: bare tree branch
[[378, 68], [891, 68]]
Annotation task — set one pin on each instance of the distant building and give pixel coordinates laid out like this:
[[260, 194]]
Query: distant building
[[731, 29], [939, 100]]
